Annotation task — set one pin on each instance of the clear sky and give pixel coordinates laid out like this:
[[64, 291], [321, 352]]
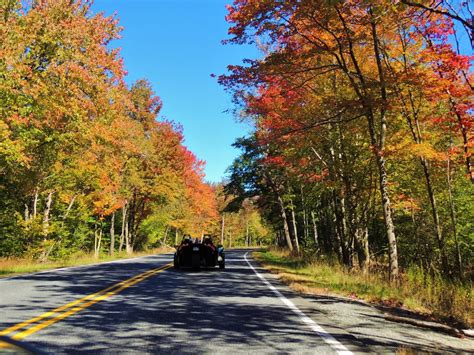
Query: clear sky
[[176, 45]]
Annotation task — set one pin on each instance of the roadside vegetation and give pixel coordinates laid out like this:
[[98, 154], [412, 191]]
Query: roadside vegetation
[[416, 291], [361, 152]]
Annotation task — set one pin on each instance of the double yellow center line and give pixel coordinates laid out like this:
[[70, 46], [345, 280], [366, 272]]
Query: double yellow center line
[[35, 324]]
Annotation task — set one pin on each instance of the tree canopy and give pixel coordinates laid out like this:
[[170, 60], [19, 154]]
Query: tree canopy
[[363, 116], [81, 153]]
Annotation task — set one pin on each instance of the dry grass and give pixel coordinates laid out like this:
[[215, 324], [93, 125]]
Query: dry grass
[[432, 296], [18, 266]]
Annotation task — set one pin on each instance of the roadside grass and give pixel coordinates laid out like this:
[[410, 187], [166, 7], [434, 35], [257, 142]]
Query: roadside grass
[[430, 296], [18, 266]]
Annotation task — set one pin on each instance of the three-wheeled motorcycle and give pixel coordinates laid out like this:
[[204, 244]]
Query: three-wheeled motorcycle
[[198, 254]]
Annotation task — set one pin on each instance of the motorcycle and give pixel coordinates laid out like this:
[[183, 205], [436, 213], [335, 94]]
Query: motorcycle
[[194, 254]]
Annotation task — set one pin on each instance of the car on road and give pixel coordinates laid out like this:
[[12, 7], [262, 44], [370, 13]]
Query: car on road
[[194, 253]]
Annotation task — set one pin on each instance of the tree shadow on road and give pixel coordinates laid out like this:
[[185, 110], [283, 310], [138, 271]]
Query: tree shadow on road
[[181, 311]]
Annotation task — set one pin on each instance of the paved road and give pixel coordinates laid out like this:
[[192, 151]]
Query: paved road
[[242, 309]]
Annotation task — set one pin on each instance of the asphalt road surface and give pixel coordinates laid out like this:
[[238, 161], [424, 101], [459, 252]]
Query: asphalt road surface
[[143, 305]]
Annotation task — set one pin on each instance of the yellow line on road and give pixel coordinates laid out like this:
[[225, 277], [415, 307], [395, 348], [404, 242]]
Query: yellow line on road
[[74, 307], [62, 308], [66, 306], [5, 345]]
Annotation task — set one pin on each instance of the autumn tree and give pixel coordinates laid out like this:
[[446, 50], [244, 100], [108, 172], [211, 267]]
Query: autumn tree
[[327, 68], [83, 156]]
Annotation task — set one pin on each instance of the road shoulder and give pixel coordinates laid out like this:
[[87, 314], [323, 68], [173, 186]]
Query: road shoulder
[[374, 325]]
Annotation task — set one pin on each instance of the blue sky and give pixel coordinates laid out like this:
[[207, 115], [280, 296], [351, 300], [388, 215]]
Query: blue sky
[[176, 45]]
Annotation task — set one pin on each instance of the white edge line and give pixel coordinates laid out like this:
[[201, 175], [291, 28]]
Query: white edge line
[[118, 261], [328, 338]]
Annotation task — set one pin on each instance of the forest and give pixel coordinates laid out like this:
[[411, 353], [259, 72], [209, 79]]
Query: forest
[[361, 148], [363, 117], [86, 165]]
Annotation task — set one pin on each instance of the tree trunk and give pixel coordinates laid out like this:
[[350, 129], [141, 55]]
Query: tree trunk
[[305, 216], [339, 202], [176, 236], [452, 209], [434, 211], [130, 225], [122, 233], [284, 218], [35, 203], [137, 222], [100, 241], [377, 142], [339, 229], [389, 225], [69, 207], [112, 234], [347, 205], [362, 238], [222, 228], [47, 211], [336, 230], [167, 229], [315, 230], [347, 238], [281, 205], [27, 213], [97, 241], [295, 229], [128, 244]]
